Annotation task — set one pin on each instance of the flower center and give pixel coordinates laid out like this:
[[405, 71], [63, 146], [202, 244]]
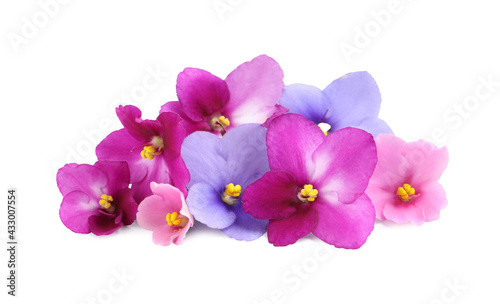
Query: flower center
[[176, 220], [308, 194], [406, 193], [154, 149], [219, 123], [105, 203], [324, 127], [231, 194]]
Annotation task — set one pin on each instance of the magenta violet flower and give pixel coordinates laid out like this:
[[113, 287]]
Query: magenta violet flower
[[249, 94], [97, 198], [404, 186], [150, 147], [316, 184], [166, 214], [221, 169], [350, 101]]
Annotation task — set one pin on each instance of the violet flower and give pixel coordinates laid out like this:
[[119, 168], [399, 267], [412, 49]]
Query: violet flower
[[353, 100], [249, 94], [404, 187], [97, 198], [150, 147], [316, 184], [221, 169], [166, 214]]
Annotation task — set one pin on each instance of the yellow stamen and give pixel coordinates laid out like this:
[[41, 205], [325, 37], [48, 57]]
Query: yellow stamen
[[308, 194], [231, 194], [219, 123], [224, 121], [406, 193], [149, 152], [105, 202], [176, 220]]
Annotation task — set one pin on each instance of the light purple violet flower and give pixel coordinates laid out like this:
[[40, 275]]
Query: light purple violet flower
[[353, 100], [221, 169], [150, 147], [97, 198], [316, 184], [249, 94]]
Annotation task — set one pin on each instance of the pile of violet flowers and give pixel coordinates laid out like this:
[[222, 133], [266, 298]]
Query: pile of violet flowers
[[248, 155]]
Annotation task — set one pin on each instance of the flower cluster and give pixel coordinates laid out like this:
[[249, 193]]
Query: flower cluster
[[248, 155]]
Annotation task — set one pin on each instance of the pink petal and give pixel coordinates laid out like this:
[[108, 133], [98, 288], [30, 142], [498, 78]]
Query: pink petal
[[187, 123], [118, 175], [295, 137], [272, 196], [255, 88], [380, 198], [201, 93], [164, 235], [173, 134], [400, 212], [85, 178], [432, 199], [427, 160], [141, 130], [153, 209], [345, 225], [392, 167], [344, 163], [287, 231]]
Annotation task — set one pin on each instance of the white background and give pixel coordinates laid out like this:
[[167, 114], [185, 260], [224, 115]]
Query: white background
[[63, 82]]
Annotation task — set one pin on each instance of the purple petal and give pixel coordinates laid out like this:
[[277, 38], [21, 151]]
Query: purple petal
[[272, 196], [345, 225], [287, 231], [353, 98], [85, 178], [305, 100], [207, 207], [121, 146], [291, 141], [201, 93], [245, 227], [157, 171], [200, 153], [118, 175], [104, 225], [187, 123], [345, 161], [142, 130], [244, 150], [173, 134], [125, 202], [255, 88], [75, 210], [375, 126]]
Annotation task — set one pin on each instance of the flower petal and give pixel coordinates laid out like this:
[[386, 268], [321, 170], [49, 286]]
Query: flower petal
[[295, 137], [75, 210], [118, 175], [187, 123], [375, 126], [271, 196], [85, 178], [245, 153], [401, 213], [164, 235], [345, 225], [353, 98], [173, 134], [153, 209], [206, 205], [125, 202], [201, 93], [255, 88], [200, 153], [344, 163], [103, 225], [432, 200], [287, 231], [141, 130], [245, 227], [427, 161], [305, 100]]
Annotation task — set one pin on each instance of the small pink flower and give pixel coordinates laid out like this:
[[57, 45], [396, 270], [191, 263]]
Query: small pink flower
[[404, 186], [166, 214]]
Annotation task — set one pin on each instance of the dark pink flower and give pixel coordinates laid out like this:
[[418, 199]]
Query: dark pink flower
[[404, 186], [316, 184], [150, 147], [250, 94], [97, 198], [166, 214]]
